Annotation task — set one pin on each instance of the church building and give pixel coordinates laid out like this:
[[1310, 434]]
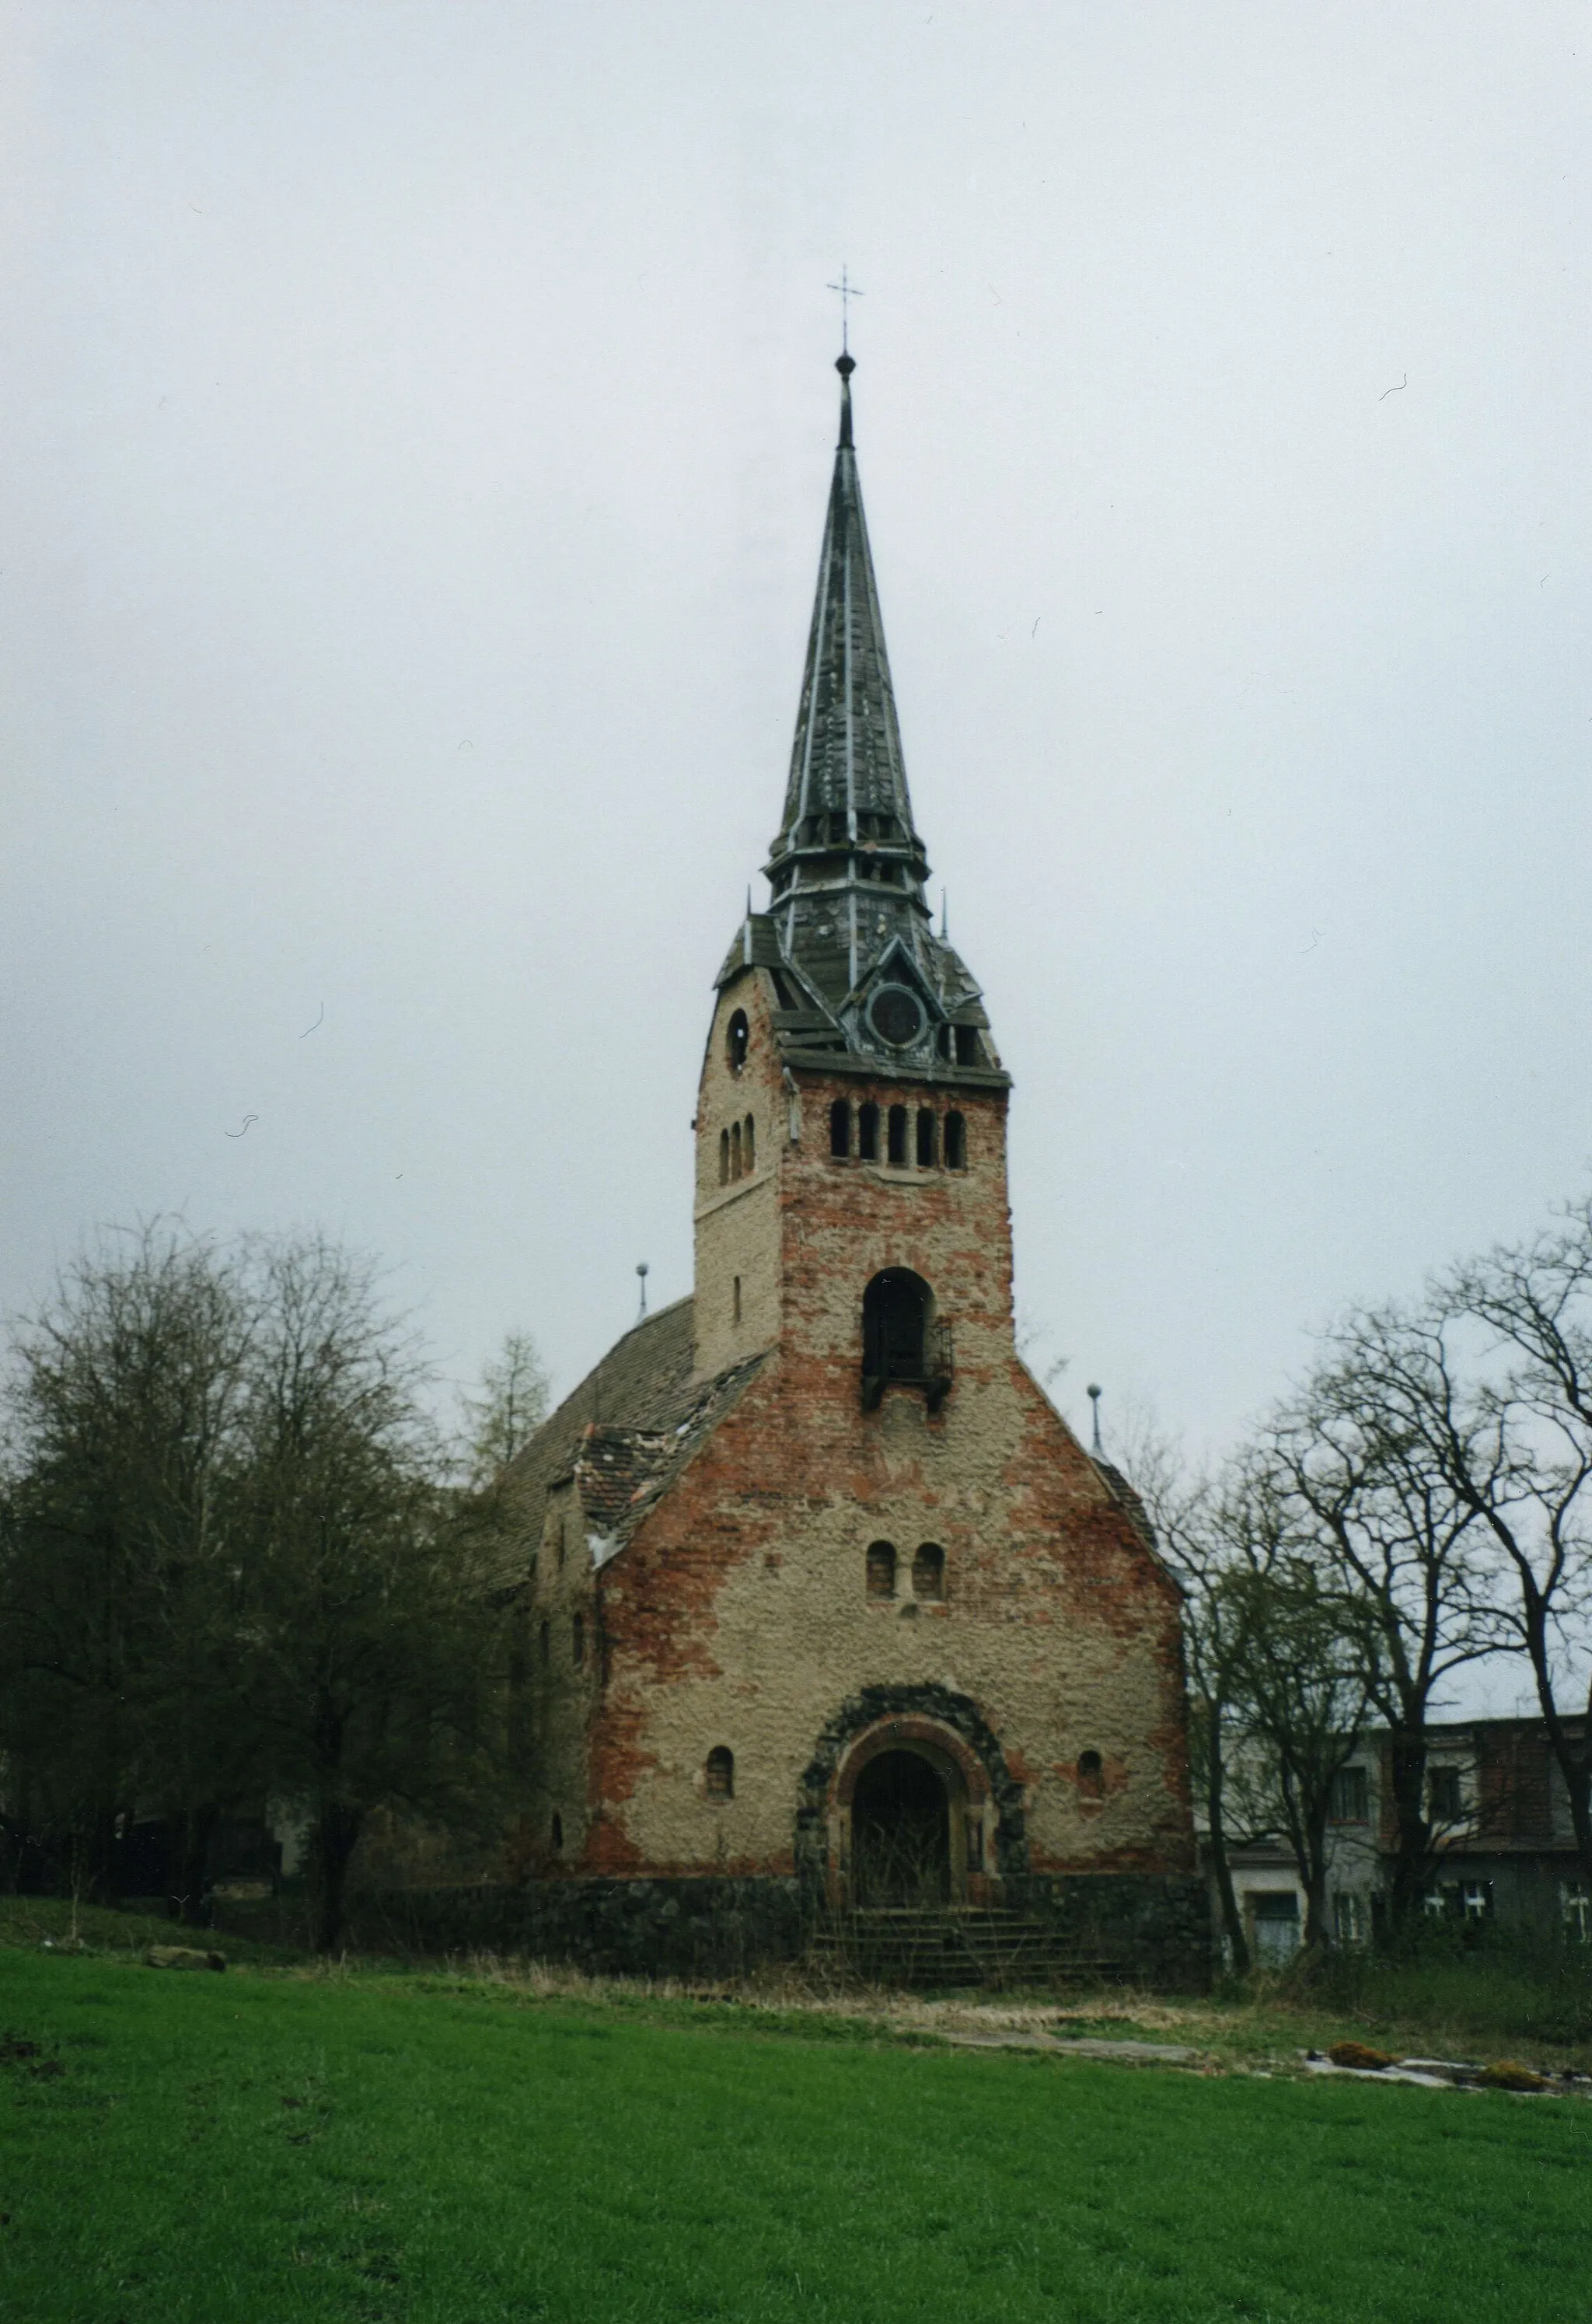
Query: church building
[[834, 1629]]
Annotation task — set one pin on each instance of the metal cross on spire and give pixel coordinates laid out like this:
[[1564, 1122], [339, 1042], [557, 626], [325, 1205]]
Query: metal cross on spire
[[847, 291]]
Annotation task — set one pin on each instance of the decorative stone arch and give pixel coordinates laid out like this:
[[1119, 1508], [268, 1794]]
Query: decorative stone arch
[[988, 1840]]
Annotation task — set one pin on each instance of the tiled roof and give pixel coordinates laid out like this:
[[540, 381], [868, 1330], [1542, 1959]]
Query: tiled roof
[[632, 1424]]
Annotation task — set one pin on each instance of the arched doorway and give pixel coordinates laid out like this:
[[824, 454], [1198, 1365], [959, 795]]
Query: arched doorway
[[901, 1832]]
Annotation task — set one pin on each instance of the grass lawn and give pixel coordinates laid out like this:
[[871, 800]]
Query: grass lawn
[[268, 2145]]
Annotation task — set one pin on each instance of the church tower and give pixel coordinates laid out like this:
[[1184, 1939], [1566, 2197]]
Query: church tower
[[830, 1615]]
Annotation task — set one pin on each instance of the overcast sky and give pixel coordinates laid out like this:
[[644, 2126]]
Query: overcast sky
[[417, 425]]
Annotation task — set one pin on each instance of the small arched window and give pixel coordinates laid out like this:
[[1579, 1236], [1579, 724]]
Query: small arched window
[[868, 1132], [840, 1126], [898, 1136], [557, 1833], [926, 1139], [1091, 1777], [735, 1150], [882, 1569], [928, 1571], [955, 1142], [749, 1147], [577, 1640], [718, 1777], [723, 1157], [737, 1040]]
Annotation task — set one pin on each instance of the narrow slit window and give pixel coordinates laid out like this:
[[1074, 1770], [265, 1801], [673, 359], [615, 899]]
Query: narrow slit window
[[719, 1773], [749, 1147], [723, 1157], [577, 1640], [557, 1834], [898, 1136], [928, 1571], [840, 1126], [882, 1569], [868, 1133], [926, 1140], [735, 1151], [735, 1301], [955, 1142]]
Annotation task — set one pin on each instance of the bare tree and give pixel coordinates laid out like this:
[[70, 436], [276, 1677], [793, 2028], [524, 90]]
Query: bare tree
[[122, 1408], [373, 1606], [509, 1410], [1375, 1511]]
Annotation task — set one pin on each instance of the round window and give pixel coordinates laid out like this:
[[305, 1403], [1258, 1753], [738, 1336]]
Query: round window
[[895, 1015]]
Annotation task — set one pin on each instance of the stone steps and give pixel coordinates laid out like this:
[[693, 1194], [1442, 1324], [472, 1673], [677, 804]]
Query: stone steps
[[950, 1946]]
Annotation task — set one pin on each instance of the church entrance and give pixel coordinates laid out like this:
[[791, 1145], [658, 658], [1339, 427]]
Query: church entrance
[[901, 1832]]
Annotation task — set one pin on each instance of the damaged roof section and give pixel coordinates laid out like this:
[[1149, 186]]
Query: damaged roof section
[[624, 1435]]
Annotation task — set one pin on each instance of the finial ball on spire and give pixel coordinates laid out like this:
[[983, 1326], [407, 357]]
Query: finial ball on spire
[[845, 364]]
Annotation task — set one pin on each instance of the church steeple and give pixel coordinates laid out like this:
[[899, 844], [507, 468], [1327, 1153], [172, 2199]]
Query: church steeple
[[848, 922], [848, 857]]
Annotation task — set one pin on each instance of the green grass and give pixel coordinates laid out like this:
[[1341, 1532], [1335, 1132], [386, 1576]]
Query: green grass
[[267, 2145]]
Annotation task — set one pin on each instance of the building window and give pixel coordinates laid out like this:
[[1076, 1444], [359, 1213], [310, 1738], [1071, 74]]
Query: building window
[[1274, 1924], [895, 1317], [737, 1040], [926, 1139], [1576, 1903], [723, 1157], [557, 1833], [1476, 1900], [882, 1569], [735, 1301], [546, 1642], [1445, 1801], [955, 1142], [868, 1133], [748, 1149], [1350, 1796], [897, 1153], [1349, 1918], [840, 1126], [577, 1640], [1091, 1777], [967, 1044], [735, 1149], [928, 1571], [718, 1775]]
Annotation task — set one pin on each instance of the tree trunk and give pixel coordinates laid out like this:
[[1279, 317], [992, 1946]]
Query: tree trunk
[[335, 1836], [1411, 1862], [1232, 1920], [191, 1833]]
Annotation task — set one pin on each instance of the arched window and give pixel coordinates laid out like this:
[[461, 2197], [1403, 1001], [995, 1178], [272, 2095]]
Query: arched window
[[840, 1126], [926, 1139], [735, 1150], [557, 1833], [737, 1040], [749, 1147], [1091, 1777], [928, 1571], [868, 1132], [895, 1317], [723, 1157], [898, 1136], [718, 1775], [577, 1640], [882, 1569], [955, 1142]]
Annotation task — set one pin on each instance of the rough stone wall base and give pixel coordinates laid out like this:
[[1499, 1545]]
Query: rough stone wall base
[[1150, 1925]]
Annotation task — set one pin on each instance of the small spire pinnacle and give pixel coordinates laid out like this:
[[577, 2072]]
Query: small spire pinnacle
[[641, 1271], [1094, 1397]]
